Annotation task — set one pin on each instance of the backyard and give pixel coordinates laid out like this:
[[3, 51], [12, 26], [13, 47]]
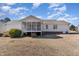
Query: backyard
[[59, 45]]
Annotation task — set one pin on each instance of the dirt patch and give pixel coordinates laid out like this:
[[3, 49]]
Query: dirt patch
[[68, 45]]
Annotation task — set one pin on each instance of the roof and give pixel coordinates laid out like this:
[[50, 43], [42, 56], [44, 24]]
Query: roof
[[31, 16], [47, 20], [55, 22]]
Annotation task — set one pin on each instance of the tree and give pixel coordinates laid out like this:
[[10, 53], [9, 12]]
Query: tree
[[7, 19], [73, 28], [1, 20]]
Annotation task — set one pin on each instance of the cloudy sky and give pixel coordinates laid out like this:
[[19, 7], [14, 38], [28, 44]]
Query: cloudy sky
[[57, 11]]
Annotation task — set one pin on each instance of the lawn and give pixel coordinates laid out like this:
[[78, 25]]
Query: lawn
[[63, 45]]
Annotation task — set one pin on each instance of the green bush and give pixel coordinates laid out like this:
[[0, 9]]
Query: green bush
[[14, 33]]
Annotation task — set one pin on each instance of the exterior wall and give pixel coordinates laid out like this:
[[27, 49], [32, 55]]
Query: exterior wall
[[2, 27], [78, 29], [60, 28], [13, 24], [63, 28]]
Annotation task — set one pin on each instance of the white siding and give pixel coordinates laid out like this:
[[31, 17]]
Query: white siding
[[60, 28], [2, 27], [13, 24], [78, 28]]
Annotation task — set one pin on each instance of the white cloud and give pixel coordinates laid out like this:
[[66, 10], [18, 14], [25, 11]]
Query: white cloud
[[17, 11], [36, 5], [57, 11], [5, 8], [60, 13], [53, 15], [72, 18], [2, 14], [21, 17], [39, 16], [51, 5], [61, 9], [21, 8], [68, 18], [11, 10], [66, 15]]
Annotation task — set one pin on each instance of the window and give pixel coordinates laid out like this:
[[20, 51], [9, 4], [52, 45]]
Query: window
[[34, 25], [46, 26], [24, 25], [28, 25], [38, 26], [54, 26]]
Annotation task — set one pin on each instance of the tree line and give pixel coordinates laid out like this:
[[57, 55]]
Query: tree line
[[5, 20]]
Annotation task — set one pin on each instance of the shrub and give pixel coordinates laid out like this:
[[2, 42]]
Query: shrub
[[15, 33]]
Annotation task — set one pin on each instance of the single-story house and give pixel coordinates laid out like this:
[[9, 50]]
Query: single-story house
[[77, 28], [32, 24]]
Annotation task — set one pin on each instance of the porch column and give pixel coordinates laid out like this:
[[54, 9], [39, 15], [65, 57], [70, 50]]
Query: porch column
[[36, 27], [41, 28], [31, 28]]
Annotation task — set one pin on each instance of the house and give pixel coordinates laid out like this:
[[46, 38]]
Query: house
[[32, 24], [77, 28]]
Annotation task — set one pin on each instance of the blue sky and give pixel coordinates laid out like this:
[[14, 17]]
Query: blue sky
[[55, 11]]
